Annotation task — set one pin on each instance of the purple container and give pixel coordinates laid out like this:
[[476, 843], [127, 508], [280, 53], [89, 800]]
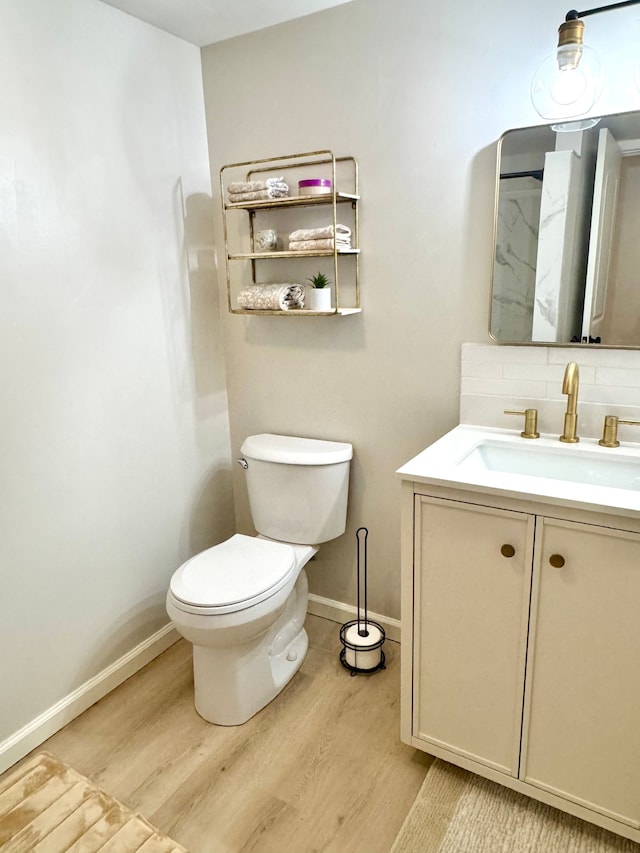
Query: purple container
[[314, 186]]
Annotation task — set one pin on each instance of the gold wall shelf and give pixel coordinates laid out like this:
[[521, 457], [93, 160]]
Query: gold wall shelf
[[294, 201], [297, 312], [268, 256], [343, 172]]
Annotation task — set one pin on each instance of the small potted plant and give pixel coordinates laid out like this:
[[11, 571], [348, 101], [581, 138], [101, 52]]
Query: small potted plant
[[318, 296]]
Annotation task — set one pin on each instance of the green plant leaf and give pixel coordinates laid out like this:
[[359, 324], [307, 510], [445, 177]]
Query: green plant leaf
[[319, 281]]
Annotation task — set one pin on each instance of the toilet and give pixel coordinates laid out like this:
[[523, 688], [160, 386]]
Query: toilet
[[243, 603]]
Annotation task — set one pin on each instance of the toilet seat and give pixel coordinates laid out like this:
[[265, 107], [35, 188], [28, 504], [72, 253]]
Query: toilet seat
[[235, 575]]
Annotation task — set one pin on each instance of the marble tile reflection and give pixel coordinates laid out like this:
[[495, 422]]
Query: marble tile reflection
[[515, 259]]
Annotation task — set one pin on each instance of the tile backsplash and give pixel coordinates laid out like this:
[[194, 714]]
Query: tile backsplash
[[495, 378]]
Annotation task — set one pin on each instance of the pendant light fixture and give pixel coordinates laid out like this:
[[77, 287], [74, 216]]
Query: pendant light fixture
[[568, 84]]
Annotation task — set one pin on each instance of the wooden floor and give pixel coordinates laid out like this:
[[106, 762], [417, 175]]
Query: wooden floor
[[321, 768]]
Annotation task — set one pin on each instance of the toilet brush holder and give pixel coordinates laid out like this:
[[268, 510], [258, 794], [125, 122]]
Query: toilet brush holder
[[362, 638]]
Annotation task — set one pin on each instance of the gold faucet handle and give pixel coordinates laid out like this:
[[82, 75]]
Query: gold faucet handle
[[610, 430], [530, 422]]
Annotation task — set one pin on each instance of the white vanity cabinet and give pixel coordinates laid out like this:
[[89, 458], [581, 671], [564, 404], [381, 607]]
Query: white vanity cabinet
[[581, 733], [470, 626], [521, 647]]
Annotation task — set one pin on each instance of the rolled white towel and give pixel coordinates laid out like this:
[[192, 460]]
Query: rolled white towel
[[317, 245], [320, 233], [254, 186], [272, 297], [259, 195]]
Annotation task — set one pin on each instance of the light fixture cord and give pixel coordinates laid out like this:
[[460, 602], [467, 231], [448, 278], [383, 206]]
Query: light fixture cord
[[574, 15]]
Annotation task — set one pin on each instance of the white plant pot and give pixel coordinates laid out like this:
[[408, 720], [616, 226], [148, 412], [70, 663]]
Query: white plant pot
[[318, 299]]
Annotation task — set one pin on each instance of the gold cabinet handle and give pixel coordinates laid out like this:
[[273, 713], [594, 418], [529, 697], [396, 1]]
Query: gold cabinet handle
[[556, 560], [530, 422], [507, 550]]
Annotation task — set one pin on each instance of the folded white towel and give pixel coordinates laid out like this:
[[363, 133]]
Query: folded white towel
[[320, 233], [254, 186], [272, 297], [258, 195], [315, 245]]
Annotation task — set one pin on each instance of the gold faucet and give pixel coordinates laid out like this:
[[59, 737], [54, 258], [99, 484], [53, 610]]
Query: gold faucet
[[570, 388]]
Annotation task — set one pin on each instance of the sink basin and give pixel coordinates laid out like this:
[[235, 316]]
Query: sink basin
[[500, 462], [554, 463]]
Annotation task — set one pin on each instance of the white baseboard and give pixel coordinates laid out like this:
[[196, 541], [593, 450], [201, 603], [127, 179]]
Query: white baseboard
[[20, 743], [339, 612]]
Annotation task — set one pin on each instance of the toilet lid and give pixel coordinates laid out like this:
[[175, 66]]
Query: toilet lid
[[241, 571]]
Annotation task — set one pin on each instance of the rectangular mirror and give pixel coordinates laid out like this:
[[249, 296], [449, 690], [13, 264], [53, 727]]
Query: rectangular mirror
[[566, 263]]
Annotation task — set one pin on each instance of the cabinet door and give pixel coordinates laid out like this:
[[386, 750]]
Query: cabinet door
[[582, 710], [471, 587]]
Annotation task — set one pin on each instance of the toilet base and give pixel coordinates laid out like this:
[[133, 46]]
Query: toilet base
[[231, 685], [285, 665]]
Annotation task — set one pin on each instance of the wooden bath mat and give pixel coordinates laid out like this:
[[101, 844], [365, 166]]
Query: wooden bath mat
[[46, 807]]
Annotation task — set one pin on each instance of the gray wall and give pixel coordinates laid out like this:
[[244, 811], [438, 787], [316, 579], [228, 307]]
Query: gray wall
[[391, 84], [419, 91], [114, 447]]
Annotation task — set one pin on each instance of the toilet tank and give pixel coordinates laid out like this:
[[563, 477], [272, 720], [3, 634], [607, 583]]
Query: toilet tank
[[297, 487]]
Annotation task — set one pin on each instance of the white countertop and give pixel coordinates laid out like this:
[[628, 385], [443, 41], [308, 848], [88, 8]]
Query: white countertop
[[584, 484]]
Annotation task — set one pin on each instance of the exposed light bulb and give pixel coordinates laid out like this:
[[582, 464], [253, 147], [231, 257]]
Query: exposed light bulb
[[571, 82], [568, 83]]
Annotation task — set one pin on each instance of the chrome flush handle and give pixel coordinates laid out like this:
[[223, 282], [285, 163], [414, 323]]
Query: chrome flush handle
[[242, 462]]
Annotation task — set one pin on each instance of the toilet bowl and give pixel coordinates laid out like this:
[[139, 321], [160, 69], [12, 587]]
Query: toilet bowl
[[246, 626], [243, 603]]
